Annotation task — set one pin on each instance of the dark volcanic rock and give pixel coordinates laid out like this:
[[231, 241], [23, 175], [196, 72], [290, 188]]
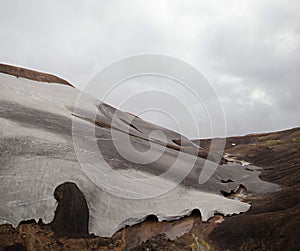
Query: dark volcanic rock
[[273, 222], [15, 247], [72, 213]]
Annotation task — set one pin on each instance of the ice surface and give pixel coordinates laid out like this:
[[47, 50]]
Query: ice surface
[[38, 154]]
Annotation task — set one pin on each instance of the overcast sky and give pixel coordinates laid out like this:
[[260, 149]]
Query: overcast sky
[[248, 50]]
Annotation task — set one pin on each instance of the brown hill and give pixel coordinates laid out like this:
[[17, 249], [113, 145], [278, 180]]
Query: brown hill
[[273, 222], [31, 74]]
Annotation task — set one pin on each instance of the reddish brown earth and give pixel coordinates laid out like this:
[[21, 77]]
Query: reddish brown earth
[[189, 233], [31, 74]]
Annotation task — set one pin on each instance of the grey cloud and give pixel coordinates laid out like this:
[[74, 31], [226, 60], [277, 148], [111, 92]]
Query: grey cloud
[[248, 50]]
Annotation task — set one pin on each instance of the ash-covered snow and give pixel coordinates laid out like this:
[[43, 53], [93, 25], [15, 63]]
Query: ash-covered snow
[[38, 154]]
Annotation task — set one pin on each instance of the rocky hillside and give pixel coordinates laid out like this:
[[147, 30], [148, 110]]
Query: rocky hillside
[[273, 222], [50, 203]]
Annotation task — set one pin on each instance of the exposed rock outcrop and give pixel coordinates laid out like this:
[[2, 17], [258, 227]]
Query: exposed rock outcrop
[[31, 74], [72, 213]]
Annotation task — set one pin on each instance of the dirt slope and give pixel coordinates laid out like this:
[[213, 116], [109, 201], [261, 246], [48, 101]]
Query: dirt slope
[[31, 74], [273, 222]]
